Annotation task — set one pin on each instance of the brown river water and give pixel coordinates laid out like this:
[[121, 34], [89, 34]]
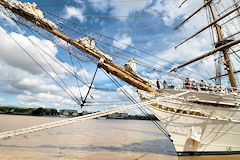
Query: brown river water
[[90, 140]]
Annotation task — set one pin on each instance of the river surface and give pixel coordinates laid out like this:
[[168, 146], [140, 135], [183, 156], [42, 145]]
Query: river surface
[[90, 140]]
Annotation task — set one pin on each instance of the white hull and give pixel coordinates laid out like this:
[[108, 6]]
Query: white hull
[[198, 127]]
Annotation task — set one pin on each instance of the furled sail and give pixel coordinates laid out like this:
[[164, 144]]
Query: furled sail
[[130, 66], [89, 42], [33, 10]]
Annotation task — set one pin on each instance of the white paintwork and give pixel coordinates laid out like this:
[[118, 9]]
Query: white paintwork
[[218, 131]]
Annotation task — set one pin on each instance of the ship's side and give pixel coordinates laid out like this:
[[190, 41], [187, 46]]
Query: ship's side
[[198, 128]]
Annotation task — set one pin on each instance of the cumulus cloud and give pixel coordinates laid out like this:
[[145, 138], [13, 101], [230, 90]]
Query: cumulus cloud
[[192, 48], [84, 73], [122, 41], [129, 90], [185, 52], [120, 8], [15, 56], [128, 8], [74, 12], [170, 11], [100, 5], [21, 76]]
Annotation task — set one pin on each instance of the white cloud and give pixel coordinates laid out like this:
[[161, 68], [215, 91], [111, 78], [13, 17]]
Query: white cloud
[[125, 9], [192, 48], [13, 55], [74, 12], [185, 52], [2, 99], [122, 41], [130, 91], [84, 73], [120, 8], [78, 1], [23, 77], [32, 104], [32, 86], [170, 10], [100, 5]]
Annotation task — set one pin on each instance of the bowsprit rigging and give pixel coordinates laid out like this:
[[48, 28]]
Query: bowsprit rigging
[[106, 62], [31, 13]]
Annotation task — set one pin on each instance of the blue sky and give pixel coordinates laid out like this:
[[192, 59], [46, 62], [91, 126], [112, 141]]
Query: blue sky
[[143, 24]]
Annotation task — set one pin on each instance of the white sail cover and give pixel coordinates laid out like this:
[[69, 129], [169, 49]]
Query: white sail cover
[[130, 66], [33, 10], [89, 42]]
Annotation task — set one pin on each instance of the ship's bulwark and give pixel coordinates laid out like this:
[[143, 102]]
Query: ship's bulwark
[[199, 128]]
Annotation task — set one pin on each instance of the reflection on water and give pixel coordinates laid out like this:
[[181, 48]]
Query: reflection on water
[[93, 139]]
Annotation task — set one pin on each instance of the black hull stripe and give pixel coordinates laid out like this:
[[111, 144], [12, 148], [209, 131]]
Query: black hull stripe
[[207, 153]]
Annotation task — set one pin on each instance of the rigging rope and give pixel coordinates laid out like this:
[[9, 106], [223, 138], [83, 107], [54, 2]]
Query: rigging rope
[[76, 76], [106, 36], [111, 38], [42, 68], [84, 101], [135, 102], [80, 66]]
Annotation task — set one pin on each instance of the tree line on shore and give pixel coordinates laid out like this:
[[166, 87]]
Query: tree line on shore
[[53, 112], [28, 111]]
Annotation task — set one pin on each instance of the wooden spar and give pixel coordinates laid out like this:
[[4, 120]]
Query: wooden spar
[[223, 75], [227, 60], [232, 52], [208, 54], [105, 64], [209, 1], [203, 29]]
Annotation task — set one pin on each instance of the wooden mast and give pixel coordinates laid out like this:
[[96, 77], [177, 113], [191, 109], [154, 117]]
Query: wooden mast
[[225, 51], [108, 66], [222, 44]]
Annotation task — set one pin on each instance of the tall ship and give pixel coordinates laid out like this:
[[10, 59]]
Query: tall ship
[[199, 117]]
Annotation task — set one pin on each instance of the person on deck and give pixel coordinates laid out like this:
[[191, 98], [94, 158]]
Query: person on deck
[[165, 86], [187, 83], [158, 84], [210, 87], [217, 88], [203, 85], [194, 85]]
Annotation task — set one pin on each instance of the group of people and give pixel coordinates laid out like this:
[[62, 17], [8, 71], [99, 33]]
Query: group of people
[[193, 85], [165, 85], [203, 86]]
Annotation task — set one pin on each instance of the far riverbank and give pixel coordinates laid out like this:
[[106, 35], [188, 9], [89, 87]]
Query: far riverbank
[[48, 112]]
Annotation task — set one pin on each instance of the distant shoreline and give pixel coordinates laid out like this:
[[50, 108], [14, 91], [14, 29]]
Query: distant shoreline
[[128, 118], [52, 112]]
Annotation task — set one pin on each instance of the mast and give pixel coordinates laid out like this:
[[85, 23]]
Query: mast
[[222, 45], [227, 60], [105, 64]]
